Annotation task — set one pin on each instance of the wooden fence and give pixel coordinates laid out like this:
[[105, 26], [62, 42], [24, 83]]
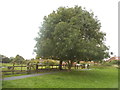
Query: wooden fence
[[29, 69], [35, 68]]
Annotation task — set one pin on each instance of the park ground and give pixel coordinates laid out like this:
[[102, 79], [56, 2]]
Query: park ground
[[97, 77]]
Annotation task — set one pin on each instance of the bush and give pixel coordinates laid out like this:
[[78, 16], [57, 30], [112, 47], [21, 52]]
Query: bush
[[44, 62], [115, 62], [107, 64], [50, 62], [118, 67], [35, 61], [6, 60]]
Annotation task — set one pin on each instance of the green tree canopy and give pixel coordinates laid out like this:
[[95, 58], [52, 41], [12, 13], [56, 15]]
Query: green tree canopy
[[4, 59], [71, 34], [18, 59]]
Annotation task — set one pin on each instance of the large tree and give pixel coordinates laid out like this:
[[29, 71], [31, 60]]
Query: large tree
[[71, 34]]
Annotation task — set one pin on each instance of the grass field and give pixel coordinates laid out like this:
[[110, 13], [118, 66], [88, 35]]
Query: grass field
[[95, 78]]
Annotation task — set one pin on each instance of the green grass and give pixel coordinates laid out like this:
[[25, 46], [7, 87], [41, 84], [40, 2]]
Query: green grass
[[6, 74], [15, 68], [23, 68], [95, 78], [7, 64], [12, 75]]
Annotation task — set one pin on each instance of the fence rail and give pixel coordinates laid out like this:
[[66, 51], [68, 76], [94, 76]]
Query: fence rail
[[33, 68], [28, 69]]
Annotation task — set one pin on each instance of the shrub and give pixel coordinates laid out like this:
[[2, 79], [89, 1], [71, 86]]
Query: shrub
[[6, 60], [107, 64], [50, 62], [115, 62], [118, 67]]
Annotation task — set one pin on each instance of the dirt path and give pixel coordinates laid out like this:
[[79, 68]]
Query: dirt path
[[25, 76]]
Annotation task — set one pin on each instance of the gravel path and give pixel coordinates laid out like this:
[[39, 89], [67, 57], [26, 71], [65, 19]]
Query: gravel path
[[31, 75], [25, 76]]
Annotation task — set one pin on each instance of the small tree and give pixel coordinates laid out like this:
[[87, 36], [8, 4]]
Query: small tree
[[18, 59]]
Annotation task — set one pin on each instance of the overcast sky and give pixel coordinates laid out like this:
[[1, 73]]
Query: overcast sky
[[20, 21]]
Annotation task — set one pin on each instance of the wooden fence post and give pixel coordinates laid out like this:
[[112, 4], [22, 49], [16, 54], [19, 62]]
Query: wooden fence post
[[28, 68], [41, 66], [21, 67], [13, 68], [37, 67]]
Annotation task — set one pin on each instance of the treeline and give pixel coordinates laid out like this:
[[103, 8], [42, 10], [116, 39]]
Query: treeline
[[18, 59]]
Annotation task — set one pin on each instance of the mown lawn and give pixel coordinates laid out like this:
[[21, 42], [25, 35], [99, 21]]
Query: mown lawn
[[95, 78]]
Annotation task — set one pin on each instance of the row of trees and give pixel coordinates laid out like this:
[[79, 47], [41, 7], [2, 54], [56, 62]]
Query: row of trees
[[18, 59], [71, 34]]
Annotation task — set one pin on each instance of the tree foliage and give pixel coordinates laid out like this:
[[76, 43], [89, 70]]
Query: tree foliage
[[18, 59], [71, 34], [4, 59]]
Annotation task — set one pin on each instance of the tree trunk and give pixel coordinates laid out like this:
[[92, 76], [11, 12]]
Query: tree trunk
[[70, 65], [60, 65]]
